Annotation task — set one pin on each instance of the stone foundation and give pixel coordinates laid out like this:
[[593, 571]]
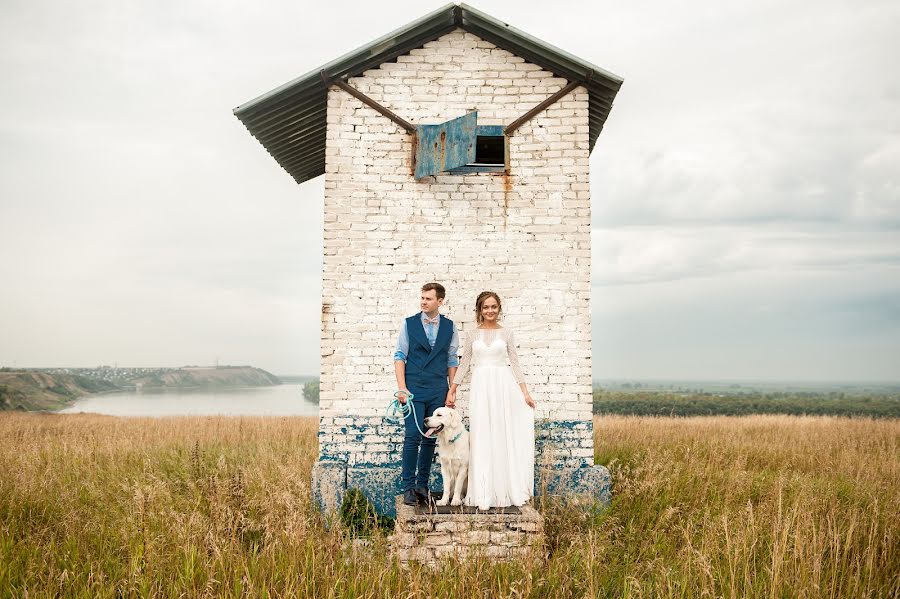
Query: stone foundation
[[456, 532]]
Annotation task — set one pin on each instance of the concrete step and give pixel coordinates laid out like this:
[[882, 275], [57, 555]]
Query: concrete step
[[434, 535]]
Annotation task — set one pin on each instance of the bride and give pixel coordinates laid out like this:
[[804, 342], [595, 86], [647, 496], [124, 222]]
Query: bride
[[501, 413]]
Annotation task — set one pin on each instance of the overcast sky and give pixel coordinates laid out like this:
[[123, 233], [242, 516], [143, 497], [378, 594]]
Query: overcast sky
[[745, 190]]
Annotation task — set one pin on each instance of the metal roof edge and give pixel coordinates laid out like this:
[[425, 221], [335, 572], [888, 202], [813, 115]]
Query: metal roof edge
[[459, 14], [289, 121], [517, 33]]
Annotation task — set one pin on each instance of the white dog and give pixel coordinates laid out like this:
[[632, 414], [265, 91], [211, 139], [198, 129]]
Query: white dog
[[453, 451]]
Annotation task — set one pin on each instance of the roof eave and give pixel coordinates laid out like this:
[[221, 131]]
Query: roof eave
[[288, 114], [566, 64]]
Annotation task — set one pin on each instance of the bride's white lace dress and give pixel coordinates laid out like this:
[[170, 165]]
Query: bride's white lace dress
[[501, 424]]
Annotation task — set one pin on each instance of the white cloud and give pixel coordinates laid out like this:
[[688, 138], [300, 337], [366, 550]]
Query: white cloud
[[630, 255]]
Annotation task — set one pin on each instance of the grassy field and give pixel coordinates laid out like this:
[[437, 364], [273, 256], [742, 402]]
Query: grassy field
[[759, 506]]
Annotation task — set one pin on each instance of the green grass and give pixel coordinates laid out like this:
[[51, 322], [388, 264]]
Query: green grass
[[764, 506], [696, 403]]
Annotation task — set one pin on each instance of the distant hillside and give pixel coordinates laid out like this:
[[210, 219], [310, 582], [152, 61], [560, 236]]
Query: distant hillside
[[54, 389], [229, 376], [33, 390]]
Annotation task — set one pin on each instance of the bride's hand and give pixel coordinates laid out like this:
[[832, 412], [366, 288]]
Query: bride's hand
[[529, 400], [450, 402]]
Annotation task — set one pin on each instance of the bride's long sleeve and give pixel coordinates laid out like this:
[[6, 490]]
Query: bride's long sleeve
[[513, 357], [465, 362]]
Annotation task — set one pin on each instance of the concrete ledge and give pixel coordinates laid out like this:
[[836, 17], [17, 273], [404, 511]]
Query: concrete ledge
[[329, 481], [380, 484], [432, 537]]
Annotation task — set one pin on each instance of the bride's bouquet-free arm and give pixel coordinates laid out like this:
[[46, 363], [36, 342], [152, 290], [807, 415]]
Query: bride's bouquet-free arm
[[466, 362]]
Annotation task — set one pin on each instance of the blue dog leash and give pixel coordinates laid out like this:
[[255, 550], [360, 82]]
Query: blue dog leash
[[404, 410]]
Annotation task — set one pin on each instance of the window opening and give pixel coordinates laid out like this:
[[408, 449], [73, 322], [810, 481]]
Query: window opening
[[490, 150], [460, 146]]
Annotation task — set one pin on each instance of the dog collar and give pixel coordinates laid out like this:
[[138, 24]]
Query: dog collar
[[456, 437]]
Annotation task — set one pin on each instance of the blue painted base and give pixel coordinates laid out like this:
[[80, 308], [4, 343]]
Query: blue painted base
[[381, 484], [564, 465]]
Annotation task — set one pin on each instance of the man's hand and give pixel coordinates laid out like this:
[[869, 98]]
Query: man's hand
[[450, 402], [401, 397]]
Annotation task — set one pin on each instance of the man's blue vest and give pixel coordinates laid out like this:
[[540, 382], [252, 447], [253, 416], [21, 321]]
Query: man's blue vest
[[426, 367]]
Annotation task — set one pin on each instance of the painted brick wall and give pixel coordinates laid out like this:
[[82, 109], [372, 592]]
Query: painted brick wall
[[525, 235]]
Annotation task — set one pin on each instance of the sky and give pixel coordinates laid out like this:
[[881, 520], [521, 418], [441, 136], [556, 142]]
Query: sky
[[745, 189]]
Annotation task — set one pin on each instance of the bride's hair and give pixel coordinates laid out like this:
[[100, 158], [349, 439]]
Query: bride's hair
[[480, 302]]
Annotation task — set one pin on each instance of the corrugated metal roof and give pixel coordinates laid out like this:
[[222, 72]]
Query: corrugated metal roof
[[289, 121]]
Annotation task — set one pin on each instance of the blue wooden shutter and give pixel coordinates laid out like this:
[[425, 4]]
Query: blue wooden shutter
[[446, 146]]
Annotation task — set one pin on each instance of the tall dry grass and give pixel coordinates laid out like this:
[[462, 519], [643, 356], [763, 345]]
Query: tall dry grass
[[766, 506]]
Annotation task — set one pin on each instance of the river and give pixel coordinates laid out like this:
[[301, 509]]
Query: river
[[278, 400]]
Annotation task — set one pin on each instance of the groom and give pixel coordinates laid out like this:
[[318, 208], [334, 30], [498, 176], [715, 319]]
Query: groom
[[424, 361]]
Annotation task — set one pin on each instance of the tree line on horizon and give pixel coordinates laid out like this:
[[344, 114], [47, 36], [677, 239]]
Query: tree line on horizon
[[662, 403], [743, 403]]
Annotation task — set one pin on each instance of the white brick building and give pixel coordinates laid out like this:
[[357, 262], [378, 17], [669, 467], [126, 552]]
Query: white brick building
[[515, 220]]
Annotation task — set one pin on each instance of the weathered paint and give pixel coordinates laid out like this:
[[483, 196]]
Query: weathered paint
[[557, 469], [469, 170], [440, 148], [490, 130], [329, 481]]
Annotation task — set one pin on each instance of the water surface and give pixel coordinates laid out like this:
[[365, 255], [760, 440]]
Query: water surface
[[278, 400]]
